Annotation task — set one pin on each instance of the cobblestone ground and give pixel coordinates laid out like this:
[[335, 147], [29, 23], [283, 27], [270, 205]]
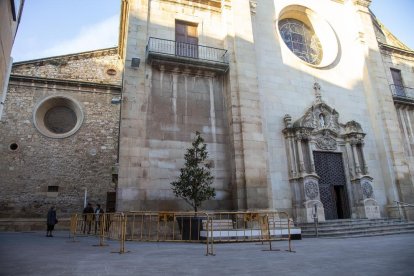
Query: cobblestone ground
[[32, 253]]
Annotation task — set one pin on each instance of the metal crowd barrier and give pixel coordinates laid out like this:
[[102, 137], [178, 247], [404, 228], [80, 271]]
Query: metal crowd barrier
[[261, 226], [105, 226], [201, 227], [165, 226]]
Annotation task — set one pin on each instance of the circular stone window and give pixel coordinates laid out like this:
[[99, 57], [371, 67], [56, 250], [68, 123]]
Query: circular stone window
[[301, 40], [111, 72], [308, 36], [13, 146], [58, 116]]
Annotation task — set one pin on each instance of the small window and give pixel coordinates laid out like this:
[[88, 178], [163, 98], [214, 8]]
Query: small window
[[14, 146], [52, 189], [111, 72]]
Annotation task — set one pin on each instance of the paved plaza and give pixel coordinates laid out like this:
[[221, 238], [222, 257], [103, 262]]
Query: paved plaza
[[32, 253]]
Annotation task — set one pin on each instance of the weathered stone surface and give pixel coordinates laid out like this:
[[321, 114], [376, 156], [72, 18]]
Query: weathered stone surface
[[101, 66], [240, 112], [83, 160]]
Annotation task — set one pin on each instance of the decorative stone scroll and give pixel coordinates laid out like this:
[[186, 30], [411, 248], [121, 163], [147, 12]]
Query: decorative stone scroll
[[367, 190], [311, 189], [326, 142]]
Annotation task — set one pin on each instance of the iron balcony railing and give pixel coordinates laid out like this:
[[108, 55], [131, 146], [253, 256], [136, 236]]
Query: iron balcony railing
[[158, 46], [402, 92]]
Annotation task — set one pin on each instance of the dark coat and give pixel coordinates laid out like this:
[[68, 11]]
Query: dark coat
[[88, 209], [88, 213], [51, 217]]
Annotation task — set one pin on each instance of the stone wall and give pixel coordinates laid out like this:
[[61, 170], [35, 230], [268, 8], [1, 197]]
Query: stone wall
[[8, 27], [32, 162], [180, 105], [403, 60], [84, 159], [162, 110], [101, 66]]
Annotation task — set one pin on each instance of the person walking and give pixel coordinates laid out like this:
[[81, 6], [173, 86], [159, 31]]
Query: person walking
[[88, 217], [51, 221], [99, 212]]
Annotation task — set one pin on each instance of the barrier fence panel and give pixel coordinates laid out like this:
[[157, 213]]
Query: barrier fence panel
[[73, 226], [208, 228], [164, 226]]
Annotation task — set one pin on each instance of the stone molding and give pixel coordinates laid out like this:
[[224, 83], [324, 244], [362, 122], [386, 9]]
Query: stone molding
[[213, 5], [364, 3], [111, 88], [253, 6], [389, 49], [56, 60]]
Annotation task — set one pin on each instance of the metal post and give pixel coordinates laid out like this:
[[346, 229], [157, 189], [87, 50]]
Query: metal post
[[315, 218], [399, 210]]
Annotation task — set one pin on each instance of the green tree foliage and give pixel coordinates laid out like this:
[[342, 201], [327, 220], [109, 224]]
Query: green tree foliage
[[195, 180]]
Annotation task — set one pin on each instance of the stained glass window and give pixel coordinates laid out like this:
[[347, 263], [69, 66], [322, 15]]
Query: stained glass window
[[301, 40]]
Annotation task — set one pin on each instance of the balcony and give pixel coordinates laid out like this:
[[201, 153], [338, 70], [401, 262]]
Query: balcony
[[402, 94], [170, 52]]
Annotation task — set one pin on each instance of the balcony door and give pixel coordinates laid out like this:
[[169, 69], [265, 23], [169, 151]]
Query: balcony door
[[398, 82], [186, 39]]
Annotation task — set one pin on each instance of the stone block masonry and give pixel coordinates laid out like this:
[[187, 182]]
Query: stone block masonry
[[37, 171]]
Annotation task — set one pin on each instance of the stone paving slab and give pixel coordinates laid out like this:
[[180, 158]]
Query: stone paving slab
[[31, 253]]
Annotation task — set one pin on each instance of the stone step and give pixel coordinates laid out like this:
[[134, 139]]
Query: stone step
[[355, 226], [352, 223], [358, 228], [359, 233]]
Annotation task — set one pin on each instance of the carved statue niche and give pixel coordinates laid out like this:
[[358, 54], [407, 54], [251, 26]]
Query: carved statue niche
[[320, 116]]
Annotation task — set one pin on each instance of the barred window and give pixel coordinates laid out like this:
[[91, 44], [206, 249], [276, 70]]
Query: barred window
[[52, 189]]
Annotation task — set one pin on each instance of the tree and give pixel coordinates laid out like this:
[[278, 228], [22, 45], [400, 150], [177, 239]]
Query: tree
[[194, 183]]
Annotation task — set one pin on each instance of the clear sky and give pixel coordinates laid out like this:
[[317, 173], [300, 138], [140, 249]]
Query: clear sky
[[398, 17], [58, 27]]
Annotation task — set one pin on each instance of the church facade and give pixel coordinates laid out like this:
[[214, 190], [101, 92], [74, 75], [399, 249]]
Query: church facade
[[305, 106]]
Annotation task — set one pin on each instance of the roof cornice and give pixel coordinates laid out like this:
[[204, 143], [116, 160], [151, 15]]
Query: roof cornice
[[66, 82], [395, 49], [74, 56]]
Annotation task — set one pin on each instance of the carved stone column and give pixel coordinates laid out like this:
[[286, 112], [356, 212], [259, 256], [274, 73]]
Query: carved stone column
[[356, 159], [300, 154], [366, 171], [312, 161]]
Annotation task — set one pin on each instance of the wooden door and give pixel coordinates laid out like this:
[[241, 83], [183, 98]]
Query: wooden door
[[186, 39]]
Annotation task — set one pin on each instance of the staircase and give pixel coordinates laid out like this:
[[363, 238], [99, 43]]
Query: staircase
[[345, 228]]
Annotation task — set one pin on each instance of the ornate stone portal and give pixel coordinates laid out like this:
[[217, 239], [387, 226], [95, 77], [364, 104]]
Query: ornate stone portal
[[319, 130]]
